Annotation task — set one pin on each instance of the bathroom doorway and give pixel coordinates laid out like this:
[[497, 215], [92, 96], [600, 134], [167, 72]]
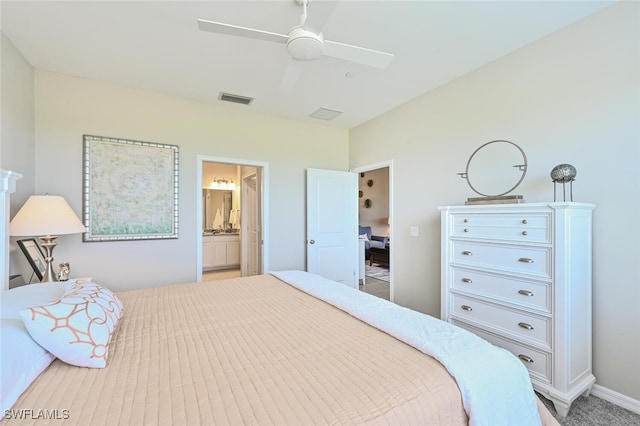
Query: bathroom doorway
[[231, 209]]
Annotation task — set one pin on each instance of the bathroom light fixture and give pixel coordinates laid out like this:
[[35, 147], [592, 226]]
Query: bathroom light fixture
[[222, 183]]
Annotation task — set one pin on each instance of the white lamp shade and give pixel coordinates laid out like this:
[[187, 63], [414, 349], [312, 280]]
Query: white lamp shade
[[45, 215]]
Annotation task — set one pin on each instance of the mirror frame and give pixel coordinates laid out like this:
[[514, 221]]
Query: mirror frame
[[206, 213], [522, 167]]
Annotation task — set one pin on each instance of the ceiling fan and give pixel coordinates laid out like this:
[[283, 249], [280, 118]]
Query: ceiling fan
[[303, 44]]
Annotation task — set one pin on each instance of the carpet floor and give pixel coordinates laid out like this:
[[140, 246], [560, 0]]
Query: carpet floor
[[594, 411]]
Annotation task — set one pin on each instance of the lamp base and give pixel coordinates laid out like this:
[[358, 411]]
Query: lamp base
[[49, 243]]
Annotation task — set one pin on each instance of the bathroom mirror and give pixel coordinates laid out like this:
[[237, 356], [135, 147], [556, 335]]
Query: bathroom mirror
[[217, 205], [495, 169]]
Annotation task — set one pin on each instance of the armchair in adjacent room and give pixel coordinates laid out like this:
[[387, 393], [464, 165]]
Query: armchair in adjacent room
[[371, 240]]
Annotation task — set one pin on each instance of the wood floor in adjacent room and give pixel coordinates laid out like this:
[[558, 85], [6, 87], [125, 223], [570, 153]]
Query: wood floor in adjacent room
[[221, 274]]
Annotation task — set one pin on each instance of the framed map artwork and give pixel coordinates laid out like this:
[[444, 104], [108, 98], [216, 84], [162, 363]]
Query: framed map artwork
[[130, 190]]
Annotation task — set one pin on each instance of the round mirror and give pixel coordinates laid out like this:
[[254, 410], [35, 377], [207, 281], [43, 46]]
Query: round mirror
[[496, 168]]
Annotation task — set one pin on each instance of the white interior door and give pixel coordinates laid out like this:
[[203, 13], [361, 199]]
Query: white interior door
[[332, 234], [251, 225]]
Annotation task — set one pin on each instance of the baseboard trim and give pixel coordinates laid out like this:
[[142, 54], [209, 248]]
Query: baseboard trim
[[616, 398]]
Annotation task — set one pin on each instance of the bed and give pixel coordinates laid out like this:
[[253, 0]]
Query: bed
[[281, 348]]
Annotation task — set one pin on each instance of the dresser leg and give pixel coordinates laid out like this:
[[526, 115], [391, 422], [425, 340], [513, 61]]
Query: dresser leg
[[562, 408]]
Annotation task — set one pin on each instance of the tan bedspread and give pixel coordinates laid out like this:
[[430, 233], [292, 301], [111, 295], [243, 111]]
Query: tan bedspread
[[247, 351]]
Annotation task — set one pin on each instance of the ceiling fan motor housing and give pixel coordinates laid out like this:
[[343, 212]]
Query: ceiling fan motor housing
[[304, 45]]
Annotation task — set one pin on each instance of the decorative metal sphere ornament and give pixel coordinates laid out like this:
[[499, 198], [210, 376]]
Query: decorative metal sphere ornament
[[563, 173]]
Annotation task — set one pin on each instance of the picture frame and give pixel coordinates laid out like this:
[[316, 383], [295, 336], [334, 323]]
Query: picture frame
[[34, 255], [130, 189]]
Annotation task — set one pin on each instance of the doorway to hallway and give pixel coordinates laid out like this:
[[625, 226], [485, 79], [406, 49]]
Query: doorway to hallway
[[375, 217]]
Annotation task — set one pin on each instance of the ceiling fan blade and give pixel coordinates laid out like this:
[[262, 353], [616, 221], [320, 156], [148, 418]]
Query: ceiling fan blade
[[360, 55], [292, 75], [219, 27]]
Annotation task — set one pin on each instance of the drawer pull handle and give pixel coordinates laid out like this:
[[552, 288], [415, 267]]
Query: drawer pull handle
[[466, 308], [525, 292], [466, 221], [525, 260], [525, 325], [467, 280], [524, 232], [524, 221], [465, 230], [467, 253], [525, 358]]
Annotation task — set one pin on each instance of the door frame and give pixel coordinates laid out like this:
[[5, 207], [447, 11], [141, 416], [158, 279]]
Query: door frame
[[376, 166], [264, 199]]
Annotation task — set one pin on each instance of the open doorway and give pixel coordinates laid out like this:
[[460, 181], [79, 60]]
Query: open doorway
[[375, 219], [231, 209]]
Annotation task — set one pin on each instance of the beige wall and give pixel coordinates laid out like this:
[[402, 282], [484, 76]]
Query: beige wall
[[571, 97], [211, 171], [68, 107]]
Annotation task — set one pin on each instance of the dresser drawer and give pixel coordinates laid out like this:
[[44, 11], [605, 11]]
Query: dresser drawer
[[535, 261], [520, 325], [511, 226], [520, 292], [538, 363]]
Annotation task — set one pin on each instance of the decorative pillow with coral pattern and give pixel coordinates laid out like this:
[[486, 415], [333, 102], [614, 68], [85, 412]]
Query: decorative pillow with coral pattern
[[78, 327]]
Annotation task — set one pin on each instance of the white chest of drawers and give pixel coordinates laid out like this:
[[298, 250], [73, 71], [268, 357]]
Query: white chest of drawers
[[519, 275]]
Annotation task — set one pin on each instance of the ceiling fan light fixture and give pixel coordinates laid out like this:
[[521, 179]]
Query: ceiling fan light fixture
[[304, 45]]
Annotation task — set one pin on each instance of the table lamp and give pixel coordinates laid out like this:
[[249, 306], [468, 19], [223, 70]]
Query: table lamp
[[46, 217]]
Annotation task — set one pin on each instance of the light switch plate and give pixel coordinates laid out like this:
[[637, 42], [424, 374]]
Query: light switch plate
[[414, 231]]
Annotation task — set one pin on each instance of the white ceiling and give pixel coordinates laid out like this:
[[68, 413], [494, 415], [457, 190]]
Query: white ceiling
[[156, 46]]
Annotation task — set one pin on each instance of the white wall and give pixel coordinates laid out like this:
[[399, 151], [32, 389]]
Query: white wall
[[68, 107], [571, 97], [17, 140], [17, 143]]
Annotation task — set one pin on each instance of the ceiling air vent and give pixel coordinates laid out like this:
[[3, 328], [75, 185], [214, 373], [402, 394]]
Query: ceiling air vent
[[325, 114], [236, 99]]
